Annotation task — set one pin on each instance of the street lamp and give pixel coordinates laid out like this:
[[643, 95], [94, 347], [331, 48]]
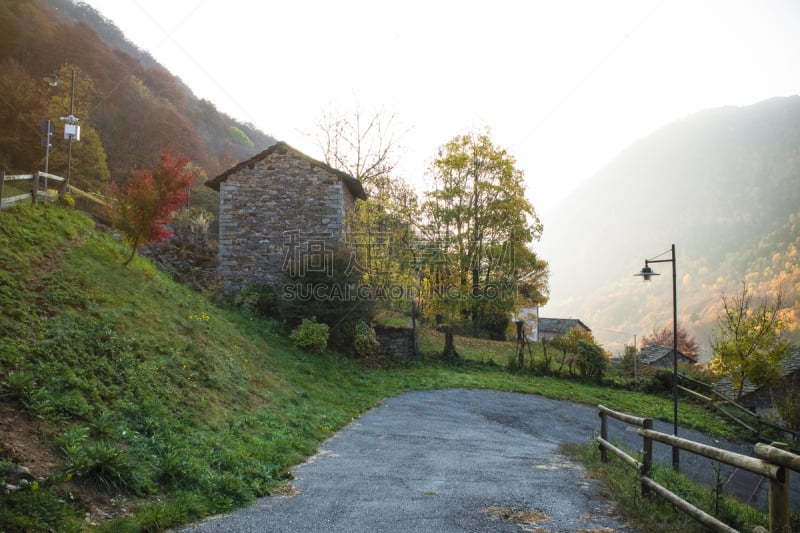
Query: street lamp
[[647, 273], [72, 132]]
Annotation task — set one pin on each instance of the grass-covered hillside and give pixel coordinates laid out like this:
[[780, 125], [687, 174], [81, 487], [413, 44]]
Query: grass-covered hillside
[[135, 404]]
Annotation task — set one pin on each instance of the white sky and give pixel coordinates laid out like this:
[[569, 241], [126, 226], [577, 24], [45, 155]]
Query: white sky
[[564, 85]]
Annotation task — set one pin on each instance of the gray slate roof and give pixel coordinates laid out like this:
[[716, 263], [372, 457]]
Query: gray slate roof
[[560, 326], [651, 354], [352, 183]]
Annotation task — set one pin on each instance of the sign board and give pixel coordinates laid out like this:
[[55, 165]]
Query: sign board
[[72, 131]]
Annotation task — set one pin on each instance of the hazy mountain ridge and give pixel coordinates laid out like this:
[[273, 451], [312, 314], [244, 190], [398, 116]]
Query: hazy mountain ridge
[[130, 106], [722, 184]]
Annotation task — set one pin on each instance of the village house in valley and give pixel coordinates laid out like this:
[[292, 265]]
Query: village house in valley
[[550, 328], [661, 356], [276, 208]]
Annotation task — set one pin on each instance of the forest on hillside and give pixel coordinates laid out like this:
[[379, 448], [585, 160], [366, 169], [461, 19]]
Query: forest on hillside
[[723, 185], [129, 106]]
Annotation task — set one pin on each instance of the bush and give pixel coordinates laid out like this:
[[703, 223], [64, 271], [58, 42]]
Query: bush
[[334, 296], [787, 404], [67, 201], [258, 299], [591, 360], [495, 324], [310, 335], [365, 340]]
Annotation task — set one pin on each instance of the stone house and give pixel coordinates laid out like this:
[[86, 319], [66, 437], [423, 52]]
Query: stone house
[[280, 211], [661, 356], [550, 328], [763, 398]]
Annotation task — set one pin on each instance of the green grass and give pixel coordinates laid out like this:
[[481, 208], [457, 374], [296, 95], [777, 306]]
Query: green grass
[[175, 407], [653, 514]]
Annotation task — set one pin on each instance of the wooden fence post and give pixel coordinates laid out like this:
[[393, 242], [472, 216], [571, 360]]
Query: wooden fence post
[[35, 188], [2, 181], [779, 512], [604, 436], [449, 345], [647, 457]]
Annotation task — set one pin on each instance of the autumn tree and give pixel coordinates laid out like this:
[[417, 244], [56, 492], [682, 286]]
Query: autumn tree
[[144, 208], [482, 223], [748, 343], [568, 344], [382, 233], [687, 345]]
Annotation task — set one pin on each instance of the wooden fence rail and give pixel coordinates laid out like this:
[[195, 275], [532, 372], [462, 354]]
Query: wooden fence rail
[[772, 463], [759, 427], [35, 192]]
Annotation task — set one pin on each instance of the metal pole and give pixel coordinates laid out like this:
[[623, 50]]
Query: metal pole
[[675, 449], [49, 134], [71, 137]]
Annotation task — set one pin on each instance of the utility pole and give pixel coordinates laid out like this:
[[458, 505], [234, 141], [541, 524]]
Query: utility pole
[[72, 132]]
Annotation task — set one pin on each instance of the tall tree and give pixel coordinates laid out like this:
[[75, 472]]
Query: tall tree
[[146, 206], [480, 218], [748, 343], [382, 233], [361, 143], [687, 345]]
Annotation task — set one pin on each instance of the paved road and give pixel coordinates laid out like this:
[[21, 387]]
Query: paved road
[[447, 461]]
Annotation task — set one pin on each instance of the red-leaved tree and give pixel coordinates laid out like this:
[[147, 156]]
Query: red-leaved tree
[[663, 337], [143, 210]]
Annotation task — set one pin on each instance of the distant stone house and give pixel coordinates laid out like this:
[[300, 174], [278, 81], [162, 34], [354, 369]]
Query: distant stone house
[[278, 209], [661, 356], [550, 328], [756, 398]]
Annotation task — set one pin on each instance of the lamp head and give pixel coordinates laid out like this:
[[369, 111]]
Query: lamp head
[[51, 79], [647, 273]]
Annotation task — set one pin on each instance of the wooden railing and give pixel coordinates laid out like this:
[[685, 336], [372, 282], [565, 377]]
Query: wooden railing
[[760, 428], [772, 463], [35, 192]]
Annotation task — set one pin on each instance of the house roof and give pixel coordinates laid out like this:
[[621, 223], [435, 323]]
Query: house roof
[[352, 183], [561, 326], [789, 366], [652, 353]]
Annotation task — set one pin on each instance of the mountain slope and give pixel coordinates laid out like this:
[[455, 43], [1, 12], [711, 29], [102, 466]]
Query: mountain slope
[[719, 185], [130, 107]]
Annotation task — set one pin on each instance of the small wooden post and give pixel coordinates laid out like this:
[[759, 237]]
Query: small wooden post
[[2, 181], [647, 456], [449, 346], [779, 513], [35, 188], [604, 436]]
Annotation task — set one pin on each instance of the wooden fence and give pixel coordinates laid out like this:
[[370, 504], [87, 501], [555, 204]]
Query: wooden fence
[[761, 429], [771, 463], [35, 192]]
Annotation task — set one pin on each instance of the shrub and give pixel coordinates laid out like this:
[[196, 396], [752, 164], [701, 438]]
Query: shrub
[[365, 340], [591, 360], [66, 200], [258, 299], [333, 294], [310, 335], [788, 404]]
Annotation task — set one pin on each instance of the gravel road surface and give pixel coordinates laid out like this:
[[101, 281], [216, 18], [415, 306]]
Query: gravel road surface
[[452, 460]]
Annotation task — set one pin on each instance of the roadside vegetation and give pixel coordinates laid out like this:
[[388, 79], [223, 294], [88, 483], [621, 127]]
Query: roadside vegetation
[[157, 405]]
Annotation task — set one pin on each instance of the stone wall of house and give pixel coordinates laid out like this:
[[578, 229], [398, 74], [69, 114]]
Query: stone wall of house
[[273, 213], [395, 342]]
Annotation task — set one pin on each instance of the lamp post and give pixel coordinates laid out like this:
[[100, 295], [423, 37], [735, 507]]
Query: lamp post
[[646, 273], [72, 132]]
